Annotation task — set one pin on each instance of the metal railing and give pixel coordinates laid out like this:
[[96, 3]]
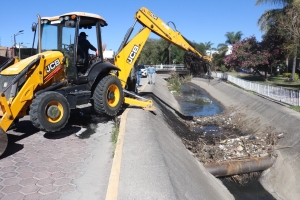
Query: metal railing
[[170, 67], [281, 94]]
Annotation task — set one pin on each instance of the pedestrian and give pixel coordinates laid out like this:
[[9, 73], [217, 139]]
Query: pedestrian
[[138, 75], [151, 74]]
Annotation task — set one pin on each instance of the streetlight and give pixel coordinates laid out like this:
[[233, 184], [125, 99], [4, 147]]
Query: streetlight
[[20, 50], [18, 33]]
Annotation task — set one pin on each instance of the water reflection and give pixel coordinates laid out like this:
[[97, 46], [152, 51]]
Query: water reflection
[[194, 101]]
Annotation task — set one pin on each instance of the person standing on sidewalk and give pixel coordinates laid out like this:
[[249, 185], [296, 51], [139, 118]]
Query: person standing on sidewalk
[[138, 75], [151, 74]]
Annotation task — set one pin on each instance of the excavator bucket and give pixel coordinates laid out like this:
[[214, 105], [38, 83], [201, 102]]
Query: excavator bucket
[[3, 141], [197, 65], [150, 106]]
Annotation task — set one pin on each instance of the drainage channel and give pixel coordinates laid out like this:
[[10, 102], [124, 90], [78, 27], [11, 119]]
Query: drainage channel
[[195, 102]]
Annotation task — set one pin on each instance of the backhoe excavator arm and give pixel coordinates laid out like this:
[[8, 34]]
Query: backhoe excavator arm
[[129, 51], [160, 28]]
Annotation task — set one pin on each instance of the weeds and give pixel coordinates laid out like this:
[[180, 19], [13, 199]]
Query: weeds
[[115, 133], [175, 82]]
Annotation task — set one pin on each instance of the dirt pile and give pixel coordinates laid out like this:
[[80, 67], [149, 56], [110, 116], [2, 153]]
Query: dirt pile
[[224, 138], [198, 66]]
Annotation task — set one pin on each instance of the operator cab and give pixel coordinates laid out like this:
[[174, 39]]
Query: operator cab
[[60, 33]]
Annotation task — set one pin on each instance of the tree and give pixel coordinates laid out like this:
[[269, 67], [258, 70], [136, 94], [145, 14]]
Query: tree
[[289, 21], [286, 19], [232, 37], [218, 58], [248, 54]]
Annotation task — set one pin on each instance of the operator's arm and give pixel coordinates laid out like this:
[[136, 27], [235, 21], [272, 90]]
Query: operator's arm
[[92, 47]]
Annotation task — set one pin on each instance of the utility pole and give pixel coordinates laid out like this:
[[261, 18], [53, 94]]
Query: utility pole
[[20, 50], [20, 32]]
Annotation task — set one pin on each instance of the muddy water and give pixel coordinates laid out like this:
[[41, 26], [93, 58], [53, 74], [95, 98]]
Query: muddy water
[[196, 102], [250, 190]]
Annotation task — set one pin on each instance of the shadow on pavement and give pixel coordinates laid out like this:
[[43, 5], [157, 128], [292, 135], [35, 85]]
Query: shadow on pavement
[[21, 130]]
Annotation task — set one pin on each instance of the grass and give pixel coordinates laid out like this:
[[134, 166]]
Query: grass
[[295, 108], [272, 80], [279, 81], [115, 134]]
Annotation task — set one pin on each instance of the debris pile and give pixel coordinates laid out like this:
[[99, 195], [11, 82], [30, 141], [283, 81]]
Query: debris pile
[[196, 64], [224, 138]]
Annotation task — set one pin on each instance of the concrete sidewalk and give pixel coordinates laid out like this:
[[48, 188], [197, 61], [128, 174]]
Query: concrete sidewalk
[[154, 162]]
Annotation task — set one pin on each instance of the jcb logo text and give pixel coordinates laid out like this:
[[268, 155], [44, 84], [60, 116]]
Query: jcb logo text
[[132, 54], [52, 65]]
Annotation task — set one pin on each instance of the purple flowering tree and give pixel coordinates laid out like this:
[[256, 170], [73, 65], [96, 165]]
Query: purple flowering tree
[[249, 53]]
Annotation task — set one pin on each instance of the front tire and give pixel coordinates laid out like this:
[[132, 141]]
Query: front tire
[[3, 141], [108, 96], [49, 111]]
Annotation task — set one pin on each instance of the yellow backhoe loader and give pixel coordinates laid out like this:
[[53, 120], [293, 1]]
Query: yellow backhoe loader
[[47, 85]]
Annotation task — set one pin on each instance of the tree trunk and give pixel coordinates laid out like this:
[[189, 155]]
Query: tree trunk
[[266, 72], [295, 58], [287, 64]]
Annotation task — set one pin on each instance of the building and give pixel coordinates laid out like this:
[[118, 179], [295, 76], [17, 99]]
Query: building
[[108, 54], [6, 52]]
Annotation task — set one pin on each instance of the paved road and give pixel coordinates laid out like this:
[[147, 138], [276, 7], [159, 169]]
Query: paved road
[[72, 164]]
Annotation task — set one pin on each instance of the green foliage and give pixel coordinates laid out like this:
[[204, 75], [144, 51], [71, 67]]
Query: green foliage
[[296, 77], [159, 51], [175, 82], [115, 133], [296, 108], [232, 37], [218, 58], [289, 75], [286, 74], [223, 69]]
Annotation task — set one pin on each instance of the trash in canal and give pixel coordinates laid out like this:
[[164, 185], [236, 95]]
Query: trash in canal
[[217, 135]]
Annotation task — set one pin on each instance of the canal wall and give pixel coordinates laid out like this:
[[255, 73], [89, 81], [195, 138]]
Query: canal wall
[[282, 179], [155, 162]]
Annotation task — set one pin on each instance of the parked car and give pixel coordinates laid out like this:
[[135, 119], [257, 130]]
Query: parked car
[[143, 70]]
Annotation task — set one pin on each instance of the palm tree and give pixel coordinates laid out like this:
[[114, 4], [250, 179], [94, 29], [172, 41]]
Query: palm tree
[[279, 18], [278, 2], [232, 37], [218, 58]]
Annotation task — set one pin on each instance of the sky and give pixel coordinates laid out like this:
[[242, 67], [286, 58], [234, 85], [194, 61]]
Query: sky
[[197, 20]]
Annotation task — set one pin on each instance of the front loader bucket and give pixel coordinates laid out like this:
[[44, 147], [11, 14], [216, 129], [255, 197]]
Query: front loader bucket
[[3, 141]]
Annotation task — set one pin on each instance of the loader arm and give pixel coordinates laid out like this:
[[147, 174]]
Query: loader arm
[[129, 51], [160, 28]]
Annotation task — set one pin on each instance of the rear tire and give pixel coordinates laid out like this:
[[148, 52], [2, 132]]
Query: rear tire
[[49, 111], [108, 96]]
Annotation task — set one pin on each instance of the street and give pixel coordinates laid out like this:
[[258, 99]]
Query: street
[[73, 163]]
